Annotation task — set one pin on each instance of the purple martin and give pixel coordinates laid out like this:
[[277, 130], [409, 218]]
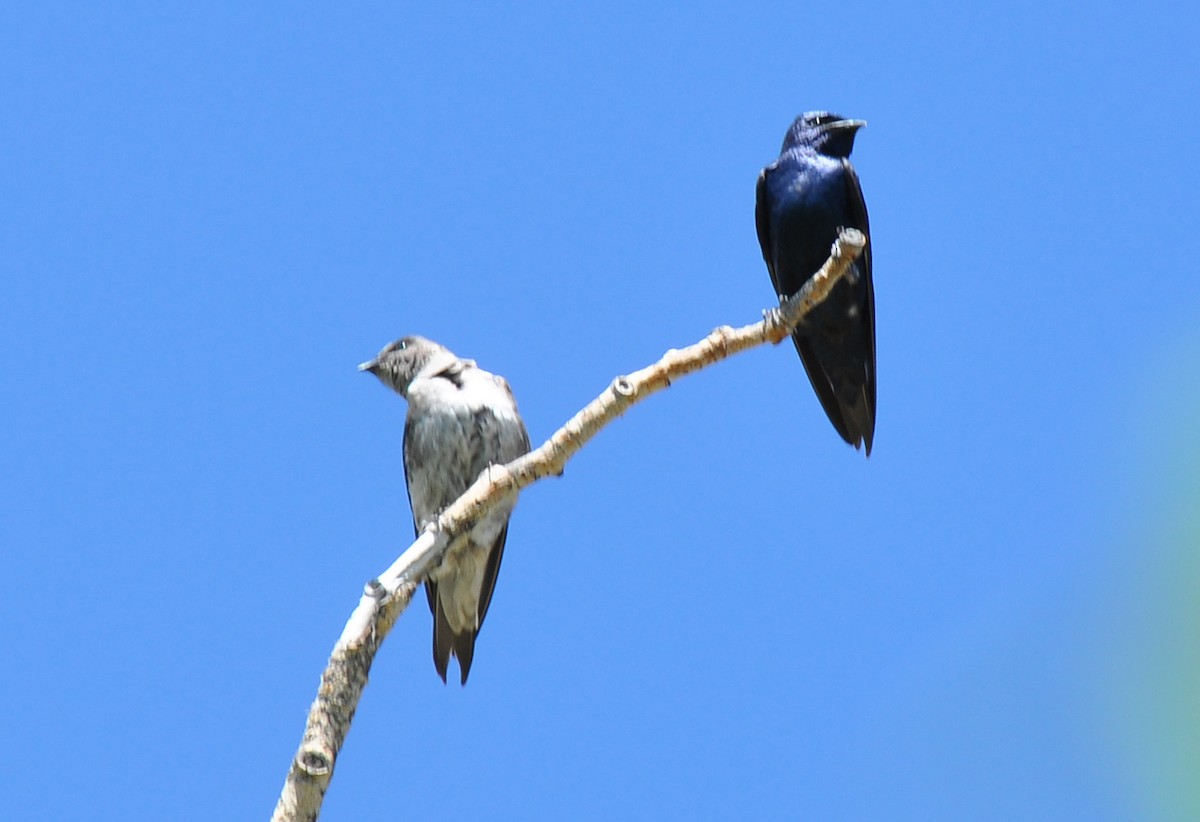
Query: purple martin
[[461, 419], [804, 199]]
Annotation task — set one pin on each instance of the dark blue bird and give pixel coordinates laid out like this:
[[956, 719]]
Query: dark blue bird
[[804, 198]]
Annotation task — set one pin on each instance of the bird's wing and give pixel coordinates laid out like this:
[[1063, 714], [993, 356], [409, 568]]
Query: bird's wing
[[490, 572], [408, 439], [858, 211], [762, 220], [430, 587], [492, 569]]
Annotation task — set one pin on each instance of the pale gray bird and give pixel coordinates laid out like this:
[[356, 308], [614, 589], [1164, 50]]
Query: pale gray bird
[[461, 419]]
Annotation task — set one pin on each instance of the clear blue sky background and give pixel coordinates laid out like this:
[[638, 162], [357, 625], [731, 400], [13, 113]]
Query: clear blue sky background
[[210, 215]]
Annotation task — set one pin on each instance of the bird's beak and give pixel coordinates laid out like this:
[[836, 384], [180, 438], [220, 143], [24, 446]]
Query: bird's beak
[[853, 125], [369, 365]]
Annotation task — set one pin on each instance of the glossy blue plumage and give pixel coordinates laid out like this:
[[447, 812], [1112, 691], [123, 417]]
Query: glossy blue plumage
[[804, 199]]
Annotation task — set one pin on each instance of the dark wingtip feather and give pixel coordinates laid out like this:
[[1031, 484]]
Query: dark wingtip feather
[[440, 665], [442, 639], [464, 649], [859, 427]]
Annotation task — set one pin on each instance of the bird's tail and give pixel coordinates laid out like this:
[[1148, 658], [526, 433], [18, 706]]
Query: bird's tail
[[447, 642], [846, 390]]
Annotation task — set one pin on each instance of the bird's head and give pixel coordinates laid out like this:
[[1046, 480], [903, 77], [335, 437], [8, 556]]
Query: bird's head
[[399, 362], [823, 131]]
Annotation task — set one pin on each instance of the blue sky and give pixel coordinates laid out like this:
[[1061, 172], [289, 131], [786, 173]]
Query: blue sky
[[212, 214]]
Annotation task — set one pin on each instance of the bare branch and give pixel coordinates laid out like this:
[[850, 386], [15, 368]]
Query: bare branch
[[386, 597]]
